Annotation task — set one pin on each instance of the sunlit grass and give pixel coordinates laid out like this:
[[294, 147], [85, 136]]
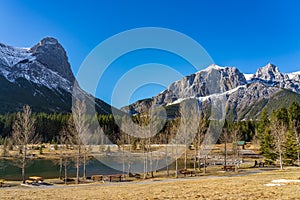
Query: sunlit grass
[[244, 187]]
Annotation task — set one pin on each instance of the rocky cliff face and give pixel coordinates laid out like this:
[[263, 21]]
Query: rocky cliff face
[[40, 76], [213, 80], [241, 94], [270, 73], [53, 56], [45, 64], [271, 76]]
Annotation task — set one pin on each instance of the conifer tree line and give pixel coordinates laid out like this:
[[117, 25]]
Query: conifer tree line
[[278, 132], [48, 126], [279, 135]]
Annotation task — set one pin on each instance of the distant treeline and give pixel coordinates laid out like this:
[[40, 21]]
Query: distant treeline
[[48, 126]]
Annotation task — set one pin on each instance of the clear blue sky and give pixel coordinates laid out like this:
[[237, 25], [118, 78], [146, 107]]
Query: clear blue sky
[[247, 34]]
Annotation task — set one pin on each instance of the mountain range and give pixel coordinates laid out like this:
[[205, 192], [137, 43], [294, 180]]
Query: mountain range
[[39, 76], [245, 94]]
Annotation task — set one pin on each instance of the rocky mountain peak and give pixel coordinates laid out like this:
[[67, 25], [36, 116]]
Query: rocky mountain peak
[[52, 55], [39, 76], [214, 67], [241, 94], [212, 80], [270, 73]]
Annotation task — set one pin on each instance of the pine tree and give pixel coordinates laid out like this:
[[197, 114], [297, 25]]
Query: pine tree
[[290, 153], [294, 120], [279, 127], [265, 139]]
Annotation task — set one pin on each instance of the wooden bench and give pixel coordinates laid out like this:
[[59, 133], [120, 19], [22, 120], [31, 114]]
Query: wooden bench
[[228, 168], [97, 177], [117, 177], [186, 172]]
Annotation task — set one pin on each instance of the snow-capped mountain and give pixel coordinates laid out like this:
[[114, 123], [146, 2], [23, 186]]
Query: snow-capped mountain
[[294, 75], [271, 75], [45, 64], [40, 76], [213, 80], [243, 92]]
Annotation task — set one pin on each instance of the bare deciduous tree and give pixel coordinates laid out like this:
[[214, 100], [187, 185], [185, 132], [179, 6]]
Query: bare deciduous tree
[[225, 138], [80, 134], [235, 136], [198, 141], [65, 139], [187, 130], [279, 130], [23, 133]]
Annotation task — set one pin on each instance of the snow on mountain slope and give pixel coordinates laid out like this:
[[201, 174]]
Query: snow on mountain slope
[[271, 76], [205, 98], [29, 63], [40, 76], [294, 75], [248, 77], [10, 56], [228, 81]]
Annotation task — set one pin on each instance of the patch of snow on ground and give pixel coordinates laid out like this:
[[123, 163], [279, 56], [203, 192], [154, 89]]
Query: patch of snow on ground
[[273, 184], [285, 181]]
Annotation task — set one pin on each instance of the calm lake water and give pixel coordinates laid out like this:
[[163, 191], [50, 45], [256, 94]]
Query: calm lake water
[[50, 169]]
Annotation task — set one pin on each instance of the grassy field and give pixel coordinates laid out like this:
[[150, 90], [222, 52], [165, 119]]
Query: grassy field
[[238, 187]]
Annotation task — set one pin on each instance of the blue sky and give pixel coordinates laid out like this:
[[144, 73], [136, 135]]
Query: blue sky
[[247, 34]]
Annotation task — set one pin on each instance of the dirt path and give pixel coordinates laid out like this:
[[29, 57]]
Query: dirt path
[[143, 182]]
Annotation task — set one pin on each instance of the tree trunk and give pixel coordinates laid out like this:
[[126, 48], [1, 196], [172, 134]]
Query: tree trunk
[[204, 165], [145, 160], [65, 170], [23, 164], [298, 154], [225, 151], [129, 156], [280, 160], [168, 173], [84, 165], [195, 156], [77, 165], [151, 160], [176, 162], [185, 159], [123, 158], [60, 168]]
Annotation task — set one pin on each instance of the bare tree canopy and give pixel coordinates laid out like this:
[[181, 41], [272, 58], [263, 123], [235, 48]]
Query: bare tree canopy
[[23, 133], [24, 128]]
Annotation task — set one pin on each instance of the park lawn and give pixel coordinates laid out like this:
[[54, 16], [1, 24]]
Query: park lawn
[[244, 187]]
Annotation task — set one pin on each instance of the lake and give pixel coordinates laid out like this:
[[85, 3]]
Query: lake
[[50, 169]]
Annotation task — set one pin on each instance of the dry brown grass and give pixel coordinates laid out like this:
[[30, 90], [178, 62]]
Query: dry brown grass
[[245, 187]]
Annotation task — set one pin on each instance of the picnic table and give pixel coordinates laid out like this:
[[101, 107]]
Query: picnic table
[[228, 167], [117, 177], [1, 182], [186, 172], [97, 177], [34, 179]]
